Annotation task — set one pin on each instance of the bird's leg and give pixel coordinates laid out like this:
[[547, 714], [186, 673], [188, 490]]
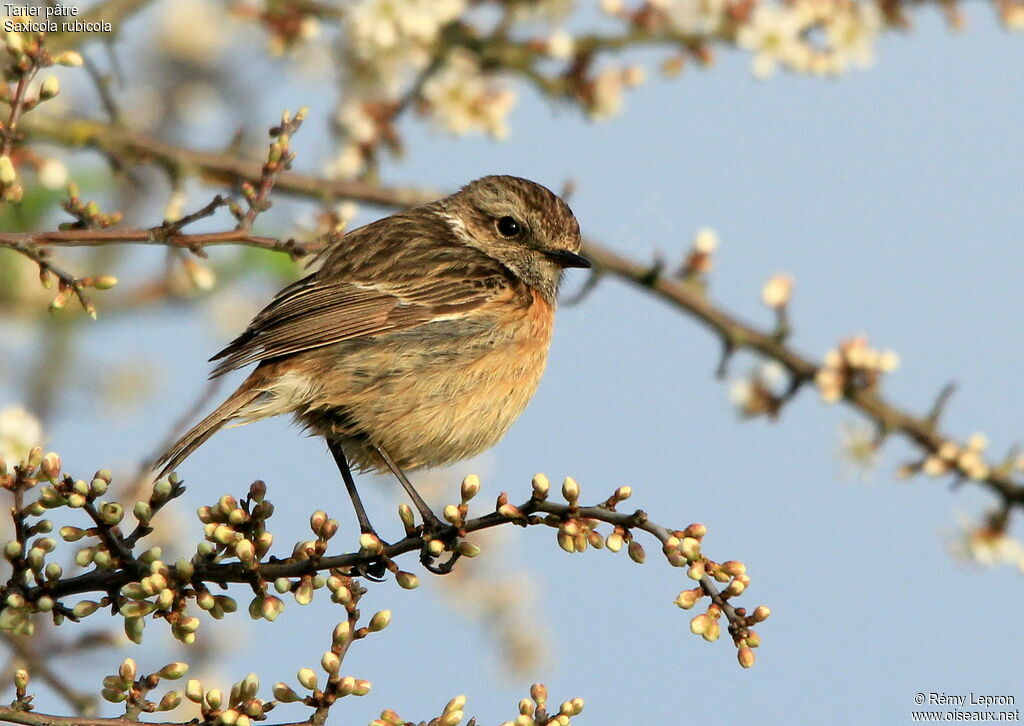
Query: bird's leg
[[431, 524], [350, 484], [376, 569]]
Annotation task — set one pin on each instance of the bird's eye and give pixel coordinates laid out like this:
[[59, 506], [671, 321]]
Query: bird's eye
[[508, 227]]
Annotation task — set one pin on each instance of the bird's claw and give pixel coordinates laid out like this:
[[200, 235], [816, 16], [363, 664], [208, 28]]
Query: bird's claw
[[438, 538]]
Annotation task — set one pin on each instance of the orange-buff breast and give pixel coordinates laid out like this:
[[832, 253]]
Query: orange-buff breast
[[431, 398]]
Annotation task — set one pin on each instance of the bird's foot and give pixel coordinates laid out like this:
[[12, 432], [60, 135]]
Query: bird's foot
[[439, 538], [375, 567]]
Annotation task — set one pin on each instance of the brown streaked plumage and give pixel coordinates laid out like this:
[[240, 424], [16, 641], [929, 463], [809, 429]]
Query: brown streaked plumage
[[420, 337]]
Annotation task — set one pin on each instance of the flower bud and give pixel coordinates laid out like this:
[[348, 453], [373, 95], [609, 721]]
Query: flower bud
[[380, 621], [284, 693], [214, 699], [128, 670], [406, 515], [407, 580], [688, 598], [330, 662], [49, 88], [111, 512], [304, 592], [470, 487], [696, 571], [143, 512], [12, 549], [7, 174], [570, 490], [307, 678], [133, 628], [342, 633], [700, 623], [85, 608], [68, 58], [541, 486], [636, 552], [170, 701], [173, 671], [50, 466]]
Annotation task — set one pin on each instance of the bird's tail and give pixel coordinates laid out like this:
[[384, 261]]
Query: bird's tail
[[206, 428]]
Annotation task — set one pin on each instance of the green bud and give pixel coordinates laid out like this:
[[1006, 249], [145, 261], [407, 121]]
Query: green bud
[[7, 174], [128, 670], [331, 663], [161, 491], [284, 693], [143, 512], [380, 621], [49, 88], [307, 678], [71, 534], [407, 580], [173, 671], [170, 701], [98, 487], [137, 608], [68, 58], [85, 608], [213, 699]]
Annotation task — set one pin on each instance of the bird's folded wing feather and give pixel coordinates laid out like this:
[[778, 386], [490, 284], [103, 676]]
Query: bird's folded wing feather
[[316, 312]]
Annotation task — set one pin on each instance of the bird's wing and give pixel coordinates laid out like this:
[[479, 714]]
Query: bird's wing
[[321, 310]]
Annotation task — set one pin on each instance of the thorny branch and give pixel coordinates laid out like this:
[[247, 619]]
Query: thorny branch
[[243, 704], [93, 229], [121, 567]]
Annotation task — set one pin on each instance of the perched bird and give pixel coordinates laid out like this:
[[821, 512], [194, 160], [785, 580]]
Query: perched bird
[[417, 341]]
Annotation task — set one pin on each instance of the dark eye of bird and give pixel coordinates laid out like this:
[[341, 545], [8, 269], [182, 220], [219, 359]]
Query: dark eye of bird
[[508, 227]]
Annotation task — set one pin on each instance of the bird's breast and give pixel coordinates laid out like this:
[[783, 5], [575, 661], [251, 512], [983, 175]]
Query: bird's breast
[[440, 393]]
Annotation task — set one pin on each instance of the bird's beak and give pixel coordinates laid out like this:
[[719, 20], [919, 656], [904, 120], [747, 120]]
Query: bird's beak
[[565, 258]]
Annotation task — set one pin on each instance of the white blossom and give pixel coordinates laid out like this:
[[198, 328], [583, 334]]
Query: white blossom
[[19, 432], [700, 17], [384, 25], [462, 100], [773, 34], [52, 174], [987, 546], [606, 93], [560, 44], [852, 34]]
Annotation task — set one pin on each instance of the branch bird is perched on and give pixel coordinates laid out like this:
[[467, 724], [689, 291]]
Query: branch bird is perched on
[[419, 339]]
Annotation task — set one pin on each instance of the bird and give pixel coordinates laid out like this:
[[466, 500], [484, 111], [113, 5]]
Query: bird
[[417, 340]]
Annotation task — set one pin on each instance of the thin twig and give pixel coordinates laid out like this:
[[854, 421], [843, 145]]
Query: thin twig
[[38, 665]]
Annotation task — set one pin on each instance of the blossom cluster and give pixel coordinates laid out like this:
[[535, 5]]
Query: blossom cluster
[[988, 543], [457, 63], [854, 364]]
